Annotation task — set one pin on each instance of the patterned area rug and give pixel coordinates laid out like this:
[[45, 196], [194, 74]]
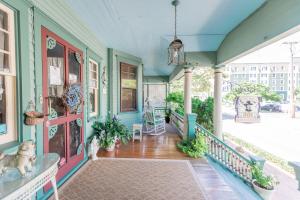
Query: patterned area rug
[[133, 179]]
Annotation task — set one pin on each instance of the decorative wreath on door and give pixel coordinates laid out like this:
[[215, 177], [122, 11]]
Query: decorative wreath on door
[[73, 98]]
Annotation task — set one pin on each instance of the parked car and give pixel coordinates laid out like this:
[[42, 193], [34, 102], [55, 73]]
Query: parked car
[[271, 107]]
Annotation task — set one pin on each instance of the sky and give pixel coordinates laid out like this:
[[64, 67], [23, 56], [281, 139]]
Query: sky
[[276, 52]]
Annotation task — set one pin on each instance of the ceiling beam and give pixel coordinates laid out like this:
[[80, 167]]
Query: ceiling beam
[[273, 21]]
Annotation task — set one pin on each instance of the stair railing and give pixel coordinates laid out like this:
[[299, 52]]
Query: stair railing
[[219, 151], [226, 155]]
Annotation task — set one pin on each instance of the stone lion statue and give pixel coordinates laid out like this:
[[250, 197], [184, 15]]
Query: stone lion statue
[[24, 159]]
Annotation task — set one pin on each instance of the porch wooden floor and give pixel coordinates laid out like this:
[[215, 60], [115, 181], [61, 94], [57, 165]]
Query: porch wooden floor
[[156, 147], [164, 147]]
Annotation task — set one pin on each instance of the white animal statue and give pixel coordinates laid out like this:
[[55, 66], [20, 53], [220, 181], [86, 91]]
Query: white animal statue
[[24, 159], [94, 148]]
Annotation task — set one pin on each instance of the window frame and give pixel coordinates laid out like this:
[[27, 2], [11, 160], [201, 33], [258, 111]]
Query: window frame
[[11, 43], [97, 89], [10, 80], [120, 86]]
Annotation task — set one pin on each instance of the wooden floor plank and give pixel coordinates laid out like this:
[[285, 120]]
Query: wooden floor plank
[[157, 147]]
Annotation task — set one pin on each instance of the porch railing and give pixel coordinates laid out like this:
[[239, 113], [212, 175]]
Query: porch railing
[[225, 155], [219, 151], [177, 121]]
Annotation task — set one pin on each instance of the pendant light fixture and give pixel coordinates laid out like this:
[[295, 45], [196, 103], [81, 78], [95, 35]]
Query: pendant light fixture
[[176, 47]]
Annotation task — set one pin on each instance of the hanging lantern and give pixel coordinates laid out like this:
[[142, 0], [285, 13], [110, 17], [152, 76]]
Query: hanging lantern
[[176, 47], [176, 52]]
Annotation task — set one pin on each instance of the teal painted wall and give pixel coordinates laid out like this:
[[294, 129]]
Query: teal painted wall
[[29, 18], [25, 69], [115, 58]]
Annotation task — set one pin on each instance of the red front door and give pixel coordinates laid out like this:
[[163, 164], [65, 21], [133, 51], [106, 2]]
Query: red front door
[[63, 130]]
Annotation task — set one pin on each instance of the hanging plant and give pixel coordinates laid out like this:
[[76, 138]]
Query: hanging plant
[[73, 98]]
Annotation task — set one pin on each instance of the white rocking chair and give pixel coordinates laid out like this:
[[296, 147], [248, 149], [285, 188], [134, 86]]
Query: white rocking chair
[[154, 123]]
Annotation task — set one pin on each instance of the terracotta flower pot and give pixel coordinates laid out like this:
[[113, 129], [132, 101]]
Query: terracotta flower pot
[[264, 193], [110, 148]]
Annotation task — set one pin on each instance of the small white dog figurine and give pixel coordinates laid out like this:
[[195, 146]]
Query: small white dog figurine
[[24, 158]]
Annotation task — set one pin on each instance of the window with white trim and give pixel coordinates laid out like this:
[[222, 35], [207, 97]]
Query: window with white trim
[[93, 88], [8, 127]]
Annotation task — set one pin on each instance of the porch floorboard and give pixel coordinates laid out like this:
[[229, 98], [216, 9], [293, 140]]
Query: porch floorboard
[[155, 147], [164, 147]]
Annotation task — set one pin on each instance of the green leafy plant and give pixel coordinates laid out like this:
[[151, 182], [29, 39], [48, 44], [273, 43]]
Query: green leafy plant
[[195, 148], [204, 111], [109, 131], [253, 89], [260, 179], [203, 108]]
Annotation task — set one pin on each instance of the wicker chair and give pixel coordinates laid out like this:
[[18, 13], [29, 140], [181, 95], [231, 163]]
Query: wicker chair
[[154, 123]]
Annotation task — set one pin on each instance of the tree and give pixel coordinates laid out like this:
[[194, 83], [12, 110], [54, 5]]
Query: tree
[[201, 81], [253, 89]]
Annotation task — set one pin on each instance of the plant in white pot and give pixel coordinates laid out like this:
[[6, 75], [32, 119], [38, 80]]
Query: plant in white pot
[[105, 133], [263, 184], [111, 133], [123, 135]]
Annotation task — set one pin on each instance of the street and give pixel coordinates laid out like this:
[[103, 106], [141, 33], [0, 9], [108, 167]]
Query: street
[[276, 133]]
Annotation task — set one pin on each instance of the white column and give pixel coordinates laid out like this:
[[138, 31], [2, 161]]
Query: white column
[[188, 72], [218, 104]]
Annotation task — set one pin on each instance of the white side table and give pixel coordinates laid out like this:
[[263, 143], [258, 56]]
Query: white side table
[[15, 187], [137, 128]]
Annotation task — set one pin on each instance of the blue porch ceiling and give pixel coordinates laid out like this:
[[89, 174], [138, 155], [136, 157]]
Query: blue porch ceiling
[[145, 28]]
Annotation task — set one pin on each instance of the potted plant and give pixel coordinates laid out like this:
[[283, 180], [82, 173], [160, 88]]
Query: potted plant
[[111, 133], [168, 115], [263, 184], [121, 132], [105, 135], [107, 142]]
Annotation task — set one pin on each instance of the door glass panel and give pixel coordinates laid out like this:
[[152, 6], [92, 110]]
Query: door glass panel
[[2, 104], [57, 142], [74, 68], [3, 20], [92, 96], [75, 137], [4, 62], [55, 59], [4, 41]]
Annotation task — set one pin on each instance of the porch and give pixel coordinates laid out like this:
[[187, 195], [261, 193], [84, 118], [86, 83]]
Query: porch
[[110, 51], [152, 148]]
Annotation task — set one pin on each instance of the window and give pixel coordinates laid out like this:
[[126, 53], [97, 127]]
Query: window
[[281, 82], [8, 132], [93, 88], [128, 87], [264, 75]]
